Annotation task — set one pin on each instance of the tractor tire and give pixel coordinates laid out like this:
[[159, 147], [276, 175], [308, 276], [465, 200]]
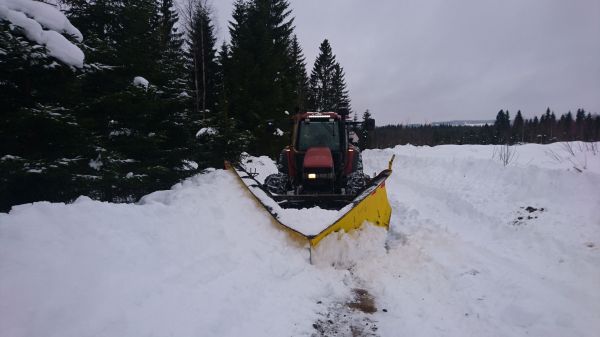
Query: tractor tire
[[277, 183], [356, 181]]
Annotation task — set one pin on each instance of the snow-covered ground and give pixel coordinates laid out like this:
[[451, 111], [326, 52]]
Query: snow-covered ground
[[475, 248]]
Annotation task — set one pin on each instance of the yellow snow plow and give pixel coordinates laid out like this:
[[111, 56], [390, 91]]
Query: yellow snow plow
[[351, 211]]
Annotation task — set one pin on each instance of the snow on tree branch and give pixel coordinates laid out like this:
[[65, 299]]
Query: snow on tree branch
[[33, 17]]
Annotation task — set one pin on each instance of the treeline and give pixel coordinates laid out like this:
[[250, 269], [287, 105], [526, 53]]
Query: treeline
[[544, 129], [156, 99]]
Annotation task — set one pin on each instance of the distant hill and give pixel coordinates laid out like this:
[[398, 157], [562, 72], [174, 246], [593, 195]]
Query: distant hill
[[465, 123]]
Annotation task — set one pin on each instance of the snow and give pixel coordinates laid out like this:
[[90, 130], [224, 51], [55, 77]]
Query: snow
[[189, 165], [119, 132], [47, 15], [139, 81], [278, 132], [207, 131], [96, 164], [311, 221], [354, 139], [9, 157], [33, 17], [463, 256]]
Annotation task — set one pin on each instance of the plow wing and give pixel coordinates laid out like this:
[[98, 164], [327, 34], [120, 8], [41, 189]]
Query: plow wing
[[344, 212]]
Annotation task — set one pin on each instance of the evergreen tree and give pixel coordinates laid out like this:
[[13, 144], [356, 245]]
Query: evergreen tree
[[327, 86], [321, 91], [579, 124], [340, 91], [568, 127], [202, 66], [223, 86], [365, 135], [502, 126], [41, 142], [588, 128], [298, 75], [141, 133], [261, 89], [518, 127], [171, 61], [535, 125]]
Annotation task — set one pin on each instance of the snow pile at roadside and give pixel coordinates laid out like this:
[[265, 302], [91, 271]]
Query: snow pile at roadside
[[475, 248], [33, 17], [199, 259]]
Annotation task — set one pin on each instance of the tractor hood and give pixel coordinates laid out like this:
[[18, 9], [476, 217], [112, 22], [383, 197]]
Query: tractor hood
[[318, 157]]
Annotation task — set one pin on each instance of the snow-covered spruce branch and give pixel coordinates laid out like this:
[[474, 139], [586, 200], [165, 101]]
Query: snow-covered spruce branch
[[45, 25]]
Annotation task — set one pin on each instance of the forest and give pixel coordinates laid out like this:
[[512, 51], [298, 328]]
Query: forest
[[156, 100], [584, 126]]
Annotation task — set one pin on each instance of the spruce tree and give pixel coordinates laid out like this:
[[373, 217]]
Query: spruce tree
[[502, 126], [298, 75], [261, 90], [579, 124], [201, 64], [327, 86], [222, 76], [340, 92], [41, 141], [365, 134], [171, 61], [141, 133], [321, 90], [518, 127], [568, 126]]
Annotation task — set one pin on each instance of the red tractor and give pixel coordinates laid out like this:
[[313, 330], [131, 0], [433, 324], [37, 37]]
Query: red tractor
[[321, 167]]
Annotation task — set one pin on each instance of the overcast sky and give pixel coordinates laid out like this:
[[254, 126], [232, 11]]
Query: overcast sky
[[417, 61]]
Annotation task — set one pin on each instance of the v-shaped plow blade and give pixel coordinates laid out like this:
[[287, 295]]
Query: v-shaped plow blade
[[336, 212]]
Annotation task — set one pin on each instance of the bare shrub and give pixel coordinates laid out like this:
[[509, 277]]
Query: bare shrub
[[579, 163], [568, 147], [592, 148], [505, 153]]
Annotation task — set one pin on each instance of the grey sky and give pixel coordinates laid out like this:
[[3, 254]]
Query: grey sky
[[423, 61]]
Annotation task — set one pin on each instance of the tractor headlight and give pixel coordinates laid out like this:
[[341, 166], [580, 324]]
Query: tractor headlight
[[312, 176]]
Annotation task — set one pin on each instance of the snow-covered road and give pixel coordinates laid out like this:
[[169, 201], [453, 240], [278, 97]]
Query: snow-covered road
[[464, 256]]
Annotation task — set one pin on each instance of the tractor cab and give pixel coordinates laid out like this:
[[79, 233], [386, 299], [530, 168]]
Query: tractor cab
[[320, 144], [319, 132]]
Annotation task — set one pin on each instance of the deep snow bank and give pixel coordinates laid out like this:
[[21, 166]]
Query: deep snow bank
[[196, 260], [464, 256], [468, 257]]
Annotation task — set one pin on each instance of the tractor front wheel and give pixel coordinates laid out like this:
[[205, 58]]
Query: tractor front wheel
[[277, 183]]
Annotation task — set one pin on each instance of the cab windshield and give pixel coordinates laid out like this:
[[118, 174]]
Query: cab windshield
[[321, 133]]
